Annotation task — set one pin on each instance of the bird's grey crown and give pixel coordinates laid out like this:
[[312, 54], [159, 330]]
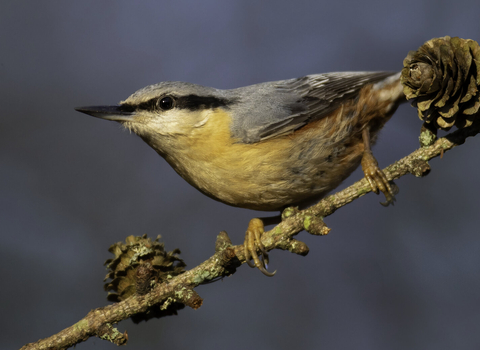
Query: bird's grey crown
[[175, 88], [186, 95]]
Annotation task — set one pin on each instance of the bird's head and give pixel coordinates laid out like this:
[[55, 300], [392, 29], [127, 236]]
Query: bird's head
[[164, 109]]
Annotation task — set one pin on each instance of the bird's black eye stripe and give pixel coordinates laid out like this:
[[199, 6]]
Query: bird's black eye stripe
[[149, 105], [126, 108], [162, 103], [194, 102], [190, 102]]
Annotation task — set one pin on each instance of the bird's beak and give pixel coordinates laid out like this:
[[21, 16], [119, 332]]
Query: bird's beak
[[116, 113]]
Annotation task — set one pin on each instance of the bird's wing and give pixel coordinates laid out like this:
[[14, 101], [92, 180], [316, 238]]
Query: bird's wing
[[282, 107]]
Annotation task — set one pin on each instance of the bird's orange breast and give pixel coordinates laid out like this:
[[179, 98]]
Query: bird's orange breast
[[270, 174]]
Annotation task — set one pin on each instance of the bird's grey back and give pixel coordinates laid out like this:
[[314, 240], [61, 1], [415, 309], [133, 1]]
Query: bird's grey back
[[276, 108]]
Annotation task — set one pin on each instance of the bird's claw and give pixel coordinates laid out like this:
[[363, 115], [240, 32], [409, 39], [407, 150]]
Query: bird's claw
[[252, 242], [377, 179]]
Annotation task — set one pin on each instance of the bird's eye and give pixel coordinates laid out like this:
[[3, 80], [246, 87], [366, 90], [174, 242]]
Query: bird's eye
[[166, 103]]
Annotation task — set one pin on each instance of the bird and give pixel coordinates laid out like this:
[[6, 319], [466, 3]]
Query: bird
[[266, 146]]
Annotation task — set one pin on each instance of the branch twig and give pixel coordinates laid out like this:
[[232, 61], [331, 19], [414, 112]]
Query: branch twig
[[98, 322]]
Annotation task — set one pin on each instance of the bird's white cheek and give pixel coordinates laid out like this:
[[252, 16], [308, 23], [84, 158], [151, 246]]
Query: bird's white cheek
[[174, 122], [180, 122], [165, 126], [149, 124]]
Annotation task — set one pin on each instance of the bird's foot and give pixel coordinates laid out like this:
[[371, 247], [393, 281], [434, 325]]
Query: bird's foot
[[252, 243], [377, 179]]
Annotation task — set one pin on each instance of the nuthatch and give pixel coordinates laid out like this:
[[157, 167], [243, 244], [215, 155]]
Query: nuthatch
[[265, 146]]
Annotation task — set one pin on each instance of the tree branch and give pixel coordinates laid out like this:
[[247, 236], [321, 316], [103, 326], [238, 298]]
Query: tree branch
[[227, 258]]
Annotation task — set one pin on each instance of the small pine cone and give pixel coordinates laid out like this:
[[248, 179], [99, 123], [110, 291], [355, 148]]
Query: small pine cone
[[443, 77], [138, 264]]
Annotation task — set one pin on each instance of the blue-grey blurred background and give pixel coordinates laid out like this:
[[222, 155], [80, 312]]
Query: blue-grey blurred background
[[403, 277]]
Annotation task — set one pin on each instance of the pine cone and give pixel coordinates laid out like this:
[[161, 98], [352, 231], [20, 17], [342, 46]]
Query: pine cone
[[138, 265], [443, 77]]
